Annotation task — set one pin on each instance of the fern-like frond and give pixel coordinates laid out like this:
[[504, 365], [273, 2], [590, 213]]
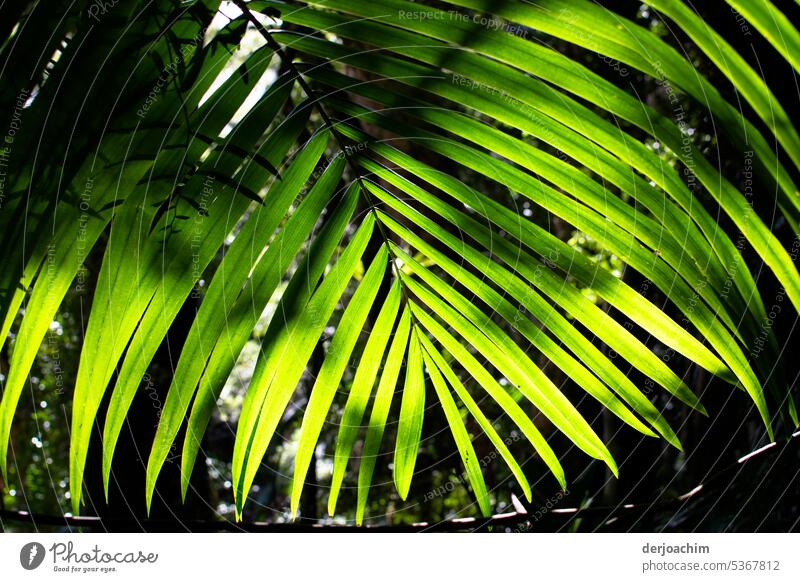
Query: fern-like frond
[[323, 172]]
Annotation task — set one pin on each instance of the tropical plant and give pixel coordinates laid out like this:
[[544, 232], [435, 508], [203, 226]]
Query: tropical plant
[[305, 170]]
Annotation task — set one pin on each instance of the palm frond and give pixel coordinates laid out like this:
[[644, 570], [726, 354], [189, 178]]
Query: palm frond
[[302, 174]]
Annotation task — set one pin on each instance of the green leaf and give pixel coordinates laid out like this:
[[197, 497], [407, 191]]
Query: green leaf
[[513, 352], [509, 97], [281, 363], [243, 318], [486, 425], [380, 411], [412, 412], [539, 275], [462, 438], [736, 69], [361, 388], [233, 274], [495, 390], [601, 365], [330, 374], [120, 306], [774, 25], [529, 380]]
